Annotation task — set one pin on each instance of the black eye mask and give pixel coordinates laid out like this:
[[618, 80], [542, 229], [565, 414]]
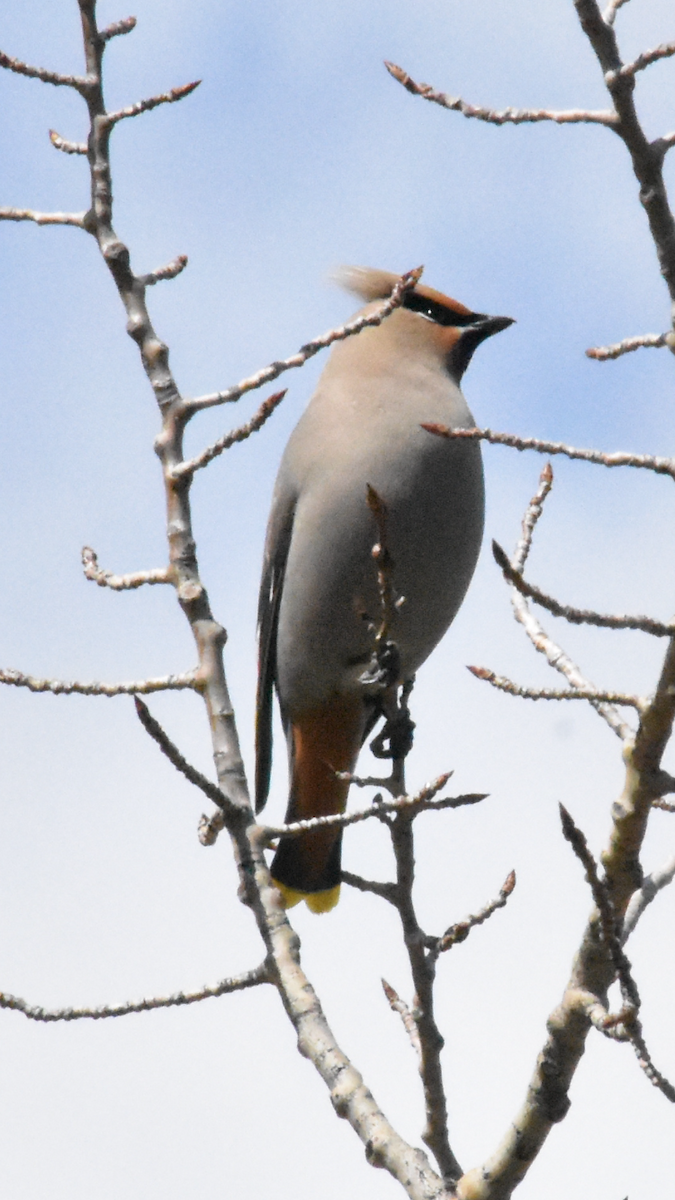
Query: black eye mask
[[440, 313]]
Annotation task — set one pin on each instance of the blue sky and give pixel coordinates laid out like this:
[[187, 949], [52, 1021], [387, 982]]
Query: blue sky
[[297, 153]]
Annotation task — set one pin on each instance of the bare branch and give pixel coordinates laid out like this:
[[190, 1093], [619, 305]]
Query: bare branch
[[80, 83], [615, 1026], [542, 642], [514, 689], [383, 561], [507, 116], [423, 967], [386, 891], [646, 159], [531, 516], [596, 1012], [158, 734], [60, 143], [645, 1062], [141, 106], [547, 1099], [665, 50], [644, 895], [349, 1094], [120, 583], [624, 1026], [663, 804], [661, 783], [605, 907], [236, 435], [610, 12], [170, 271], [40, 218], [661, 146], [648, 462], [460, 931], [60, 687], [387, 782], [421, 802], [577, 616], [117, 29], [399, 1006], [602, 353], [237, 983], [404, 285]]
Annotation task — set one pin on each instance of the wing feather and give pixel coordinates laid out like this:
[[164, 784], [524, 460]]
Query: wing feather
[[279, 533]]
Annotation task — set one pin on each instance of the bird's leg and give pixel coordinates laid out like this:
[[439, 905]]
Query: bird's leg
[[396, 737]]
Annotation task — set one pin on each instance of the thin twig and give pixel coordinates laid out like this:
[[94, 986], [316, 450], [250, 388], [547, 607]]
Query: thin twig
[[236, 435], [170, 271], [383, 561], [40, 218], [613, 939], [404, 285], [507, 116], [117, 29], [646, 1063], [423, 968], [644, 895], [460, 931], [120, 583], [79, 82], [61, 687], [647, 161], [386, 891], [66, 147], [408, 804], [35, 1012], [158, 734], [665, 50], [531, 516], [542, 642], [661, 146], [527, 693], [648, 462], [663, 804], [141, 106], [602, 353], [387, 782], [610, 12], [577, 616], [605, 907], [399, 1006]]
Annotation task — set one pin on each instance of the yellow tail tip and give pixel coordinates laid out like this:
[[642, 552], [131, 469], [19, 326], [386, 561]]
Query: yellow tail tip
[[317, 902]]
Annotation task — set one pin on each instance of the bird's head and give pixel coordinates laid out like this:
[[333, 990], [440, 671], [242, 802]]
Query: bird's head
[[454, 330]]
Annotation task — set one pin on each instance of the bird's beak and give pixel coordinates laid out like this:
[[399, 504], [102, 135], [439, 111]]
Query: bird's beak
[[471, 336], [489, 325]]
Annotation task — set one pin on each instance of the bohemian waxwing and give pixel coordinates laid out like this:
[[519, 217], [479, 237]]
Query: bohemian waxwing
[[318, 597]]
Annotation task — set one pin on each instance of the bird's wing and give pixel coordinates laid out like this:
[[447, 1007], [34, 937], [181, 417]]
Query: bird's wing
[[279, 532]]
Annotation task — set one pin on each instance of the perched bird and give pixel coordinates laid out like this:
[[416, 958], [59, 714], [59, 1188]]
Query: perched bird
[[318, 597]]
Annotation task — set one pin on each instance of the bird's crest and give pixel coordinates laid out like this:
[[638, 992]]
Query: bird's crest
[[370, 283]]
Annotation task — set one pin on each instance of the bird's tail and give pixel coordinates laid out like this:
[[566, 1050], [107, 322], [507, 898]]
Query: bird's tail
[[322, 742]]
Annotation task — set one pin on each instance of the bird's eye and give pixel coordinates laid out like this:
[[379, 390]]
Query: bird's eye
[[441, 314]]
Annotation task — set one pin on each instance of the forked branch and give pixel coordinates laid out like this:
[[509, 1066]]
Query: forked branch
[[350, 1097]]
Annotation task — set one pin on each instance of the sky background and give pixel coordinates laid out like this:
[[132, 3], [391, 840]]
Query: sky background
[[298, 153]]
